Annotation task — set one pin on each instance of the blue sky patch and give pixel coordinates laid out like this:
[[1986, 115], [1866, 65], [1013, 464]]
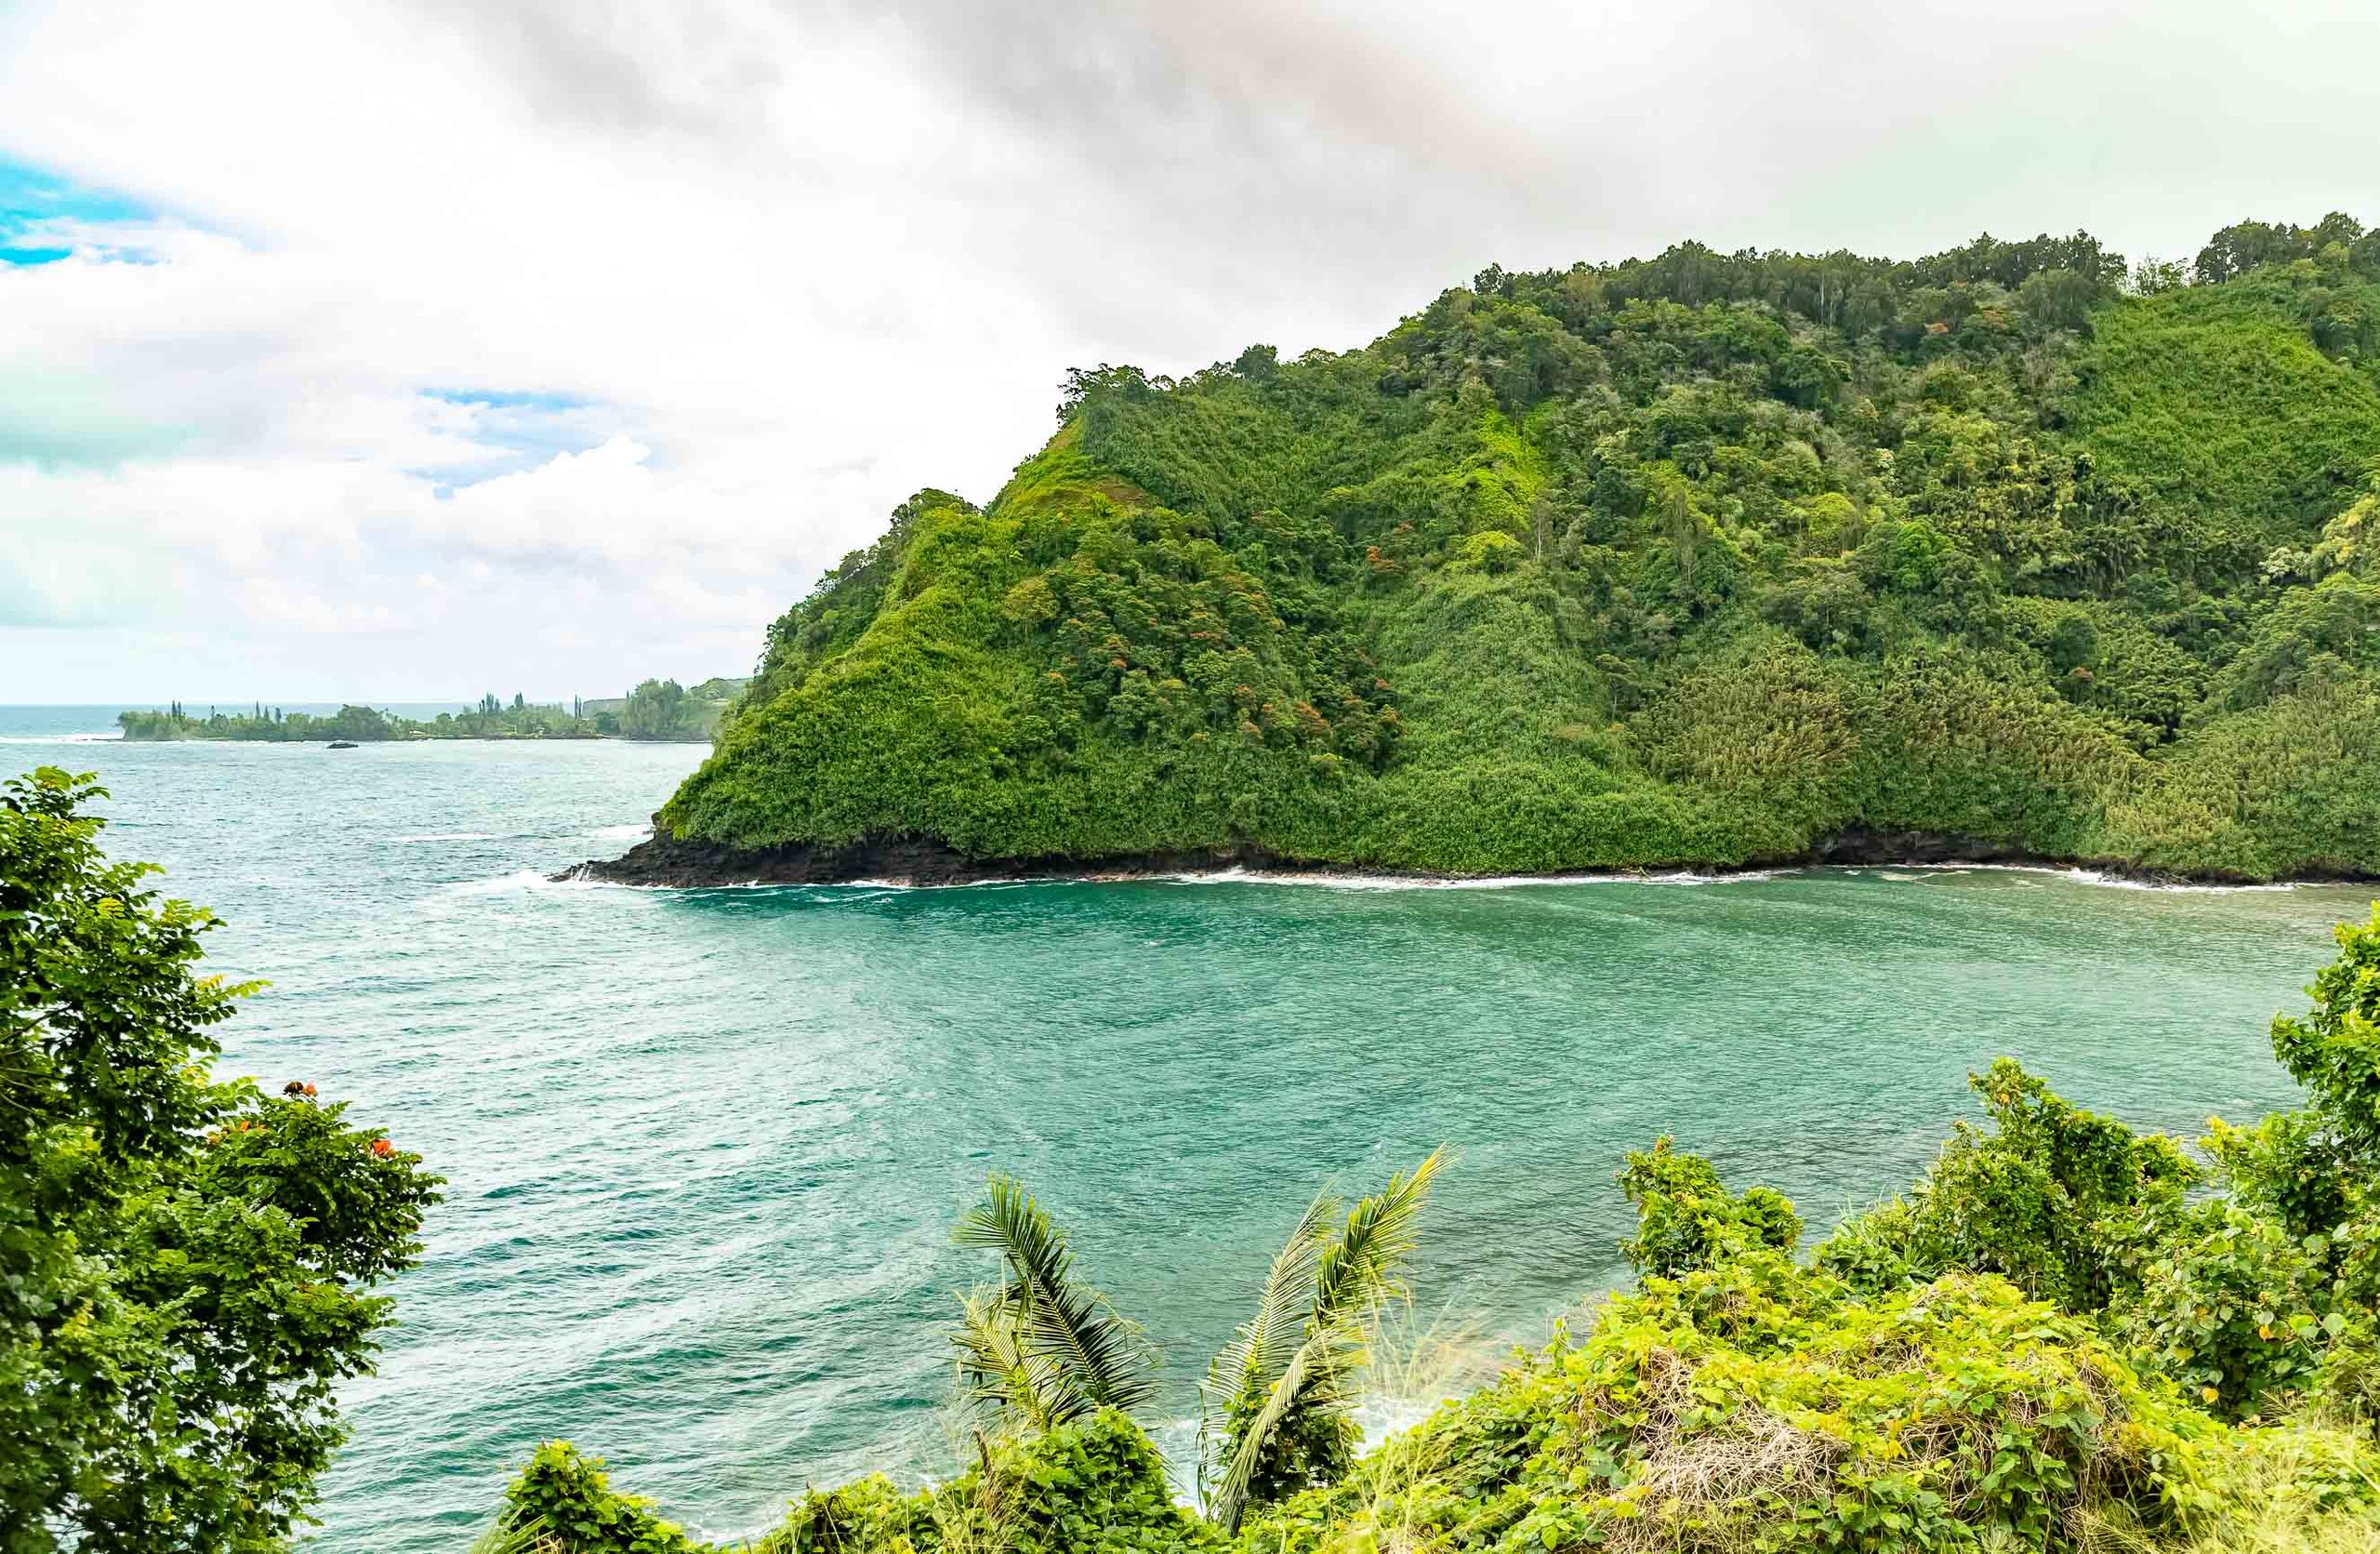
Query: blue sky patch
[[508, 399], [36, 202], [519, 428]]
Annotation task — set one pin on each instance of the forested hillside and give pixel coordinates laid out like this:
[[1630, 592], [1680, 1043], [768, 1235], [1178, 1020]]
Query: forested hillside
[[1705, 559]]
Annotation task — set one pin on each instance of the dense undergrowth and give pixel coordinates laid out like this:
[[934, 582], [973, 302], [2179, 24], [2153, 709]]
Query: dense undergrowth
[[1692, 560], [2067, 1336]]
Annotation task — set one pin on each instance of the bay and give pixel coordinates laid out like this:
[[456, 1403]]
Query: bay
[[705, 1148]]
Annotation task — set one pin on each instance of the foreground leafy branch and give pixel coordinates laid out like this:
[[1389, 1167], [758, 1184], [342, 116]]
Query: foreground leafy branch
[[186, 1263]]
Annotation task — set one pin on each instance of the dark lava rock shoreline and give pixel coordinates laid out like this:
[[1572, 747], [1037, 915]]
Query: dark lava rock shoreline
[[665, 860]]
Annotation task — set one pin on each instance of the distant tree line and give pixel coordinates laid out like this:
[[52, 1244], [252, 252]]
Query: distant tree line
[[655, 709]]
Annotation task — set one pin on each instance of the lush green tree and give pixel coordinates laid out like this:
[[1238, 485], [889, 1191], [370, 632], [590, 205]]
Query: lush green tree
[[359, 723], [2270, 1294], [2334, 1049], [186, 1263], [565, 1502], [2055, 1199], [2246, 245], [1687, 1218], [655, 709]]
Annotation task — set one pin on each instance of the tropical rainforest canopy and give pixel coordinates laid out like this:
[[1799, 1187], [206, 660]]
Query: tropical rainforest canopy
[[1701, 559]]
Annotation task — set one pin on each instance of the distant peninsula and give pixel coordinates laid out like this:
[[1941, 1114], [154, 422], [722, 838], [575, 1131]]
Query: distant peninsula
[[1700, 561], [658, 710]]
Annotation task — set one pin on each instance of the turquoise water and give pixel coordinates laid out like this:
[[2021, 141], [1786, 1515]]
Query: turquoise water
[[705, 1148]]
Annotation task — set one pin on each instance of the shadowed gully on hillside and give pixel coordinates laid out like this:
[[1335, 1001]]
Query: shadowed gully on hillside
[[1702, 561]]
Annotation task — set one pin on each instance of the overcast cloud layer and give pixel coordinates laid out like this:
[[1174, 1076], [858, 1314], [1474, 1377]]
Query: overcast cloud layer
[[408, 349]]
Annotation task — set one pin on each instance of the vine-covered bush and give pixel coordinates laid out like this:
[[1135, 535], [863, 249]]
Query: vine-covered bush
[[1686, 1220], [1759, 1404], [2335, 1051], [1095, 1486], [2055, 1199], [564, 1501]]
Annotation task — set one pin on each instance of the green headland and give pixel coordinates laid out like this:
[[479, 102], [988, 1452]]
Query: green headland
[[1704, 559]]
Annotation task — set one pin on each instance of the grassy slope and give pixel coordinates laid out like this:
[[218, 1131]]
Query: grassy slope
[[1651, 600]]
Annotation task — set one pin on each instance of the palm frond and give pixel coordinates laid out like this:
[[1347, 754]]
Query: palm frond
[[1312, 1369], [1098, 1358], [1341, 1278], [1362, 1270], [1260, 1351], [996, 1367], [1261, 1347]]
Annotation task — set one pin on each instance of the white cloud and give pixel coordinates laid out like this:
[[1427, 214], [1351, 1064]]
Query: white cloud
[[616, 323]]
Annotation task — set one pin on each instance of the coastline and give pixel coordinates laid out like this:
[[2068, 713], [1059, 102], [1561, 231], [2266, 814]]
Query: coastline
[[663, 861], [407, 739]]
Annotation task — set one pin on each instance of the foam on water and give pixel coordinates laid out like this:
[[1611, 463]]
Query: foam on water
[[2100, 878], [1334, 879]]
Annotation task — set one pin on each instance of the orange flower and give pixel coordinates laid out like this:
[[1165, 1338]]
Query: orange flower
[[383, 1149]]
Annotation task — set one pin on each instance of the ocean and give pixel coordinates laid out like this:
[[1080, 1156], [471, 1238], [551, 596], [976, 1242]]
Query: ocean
[[704, 1148]]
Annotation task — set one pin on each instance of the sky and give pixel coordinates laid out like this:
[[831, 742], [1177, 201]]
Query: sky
[[411, 349]]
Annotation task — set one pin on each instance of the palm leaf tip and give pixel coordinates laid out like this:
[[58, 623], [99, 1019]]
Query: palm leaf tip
[[1361, 1268], [1260, 1350]]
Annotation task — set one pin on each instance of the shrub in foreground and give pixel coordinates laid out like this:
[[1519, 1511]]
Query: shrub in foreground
[[1757, 1404], [186, 1262]]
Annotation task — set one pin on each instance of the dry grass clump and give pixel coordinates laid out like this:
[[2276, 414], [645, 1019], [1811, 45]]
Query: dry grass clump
[[2302, 1488]]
